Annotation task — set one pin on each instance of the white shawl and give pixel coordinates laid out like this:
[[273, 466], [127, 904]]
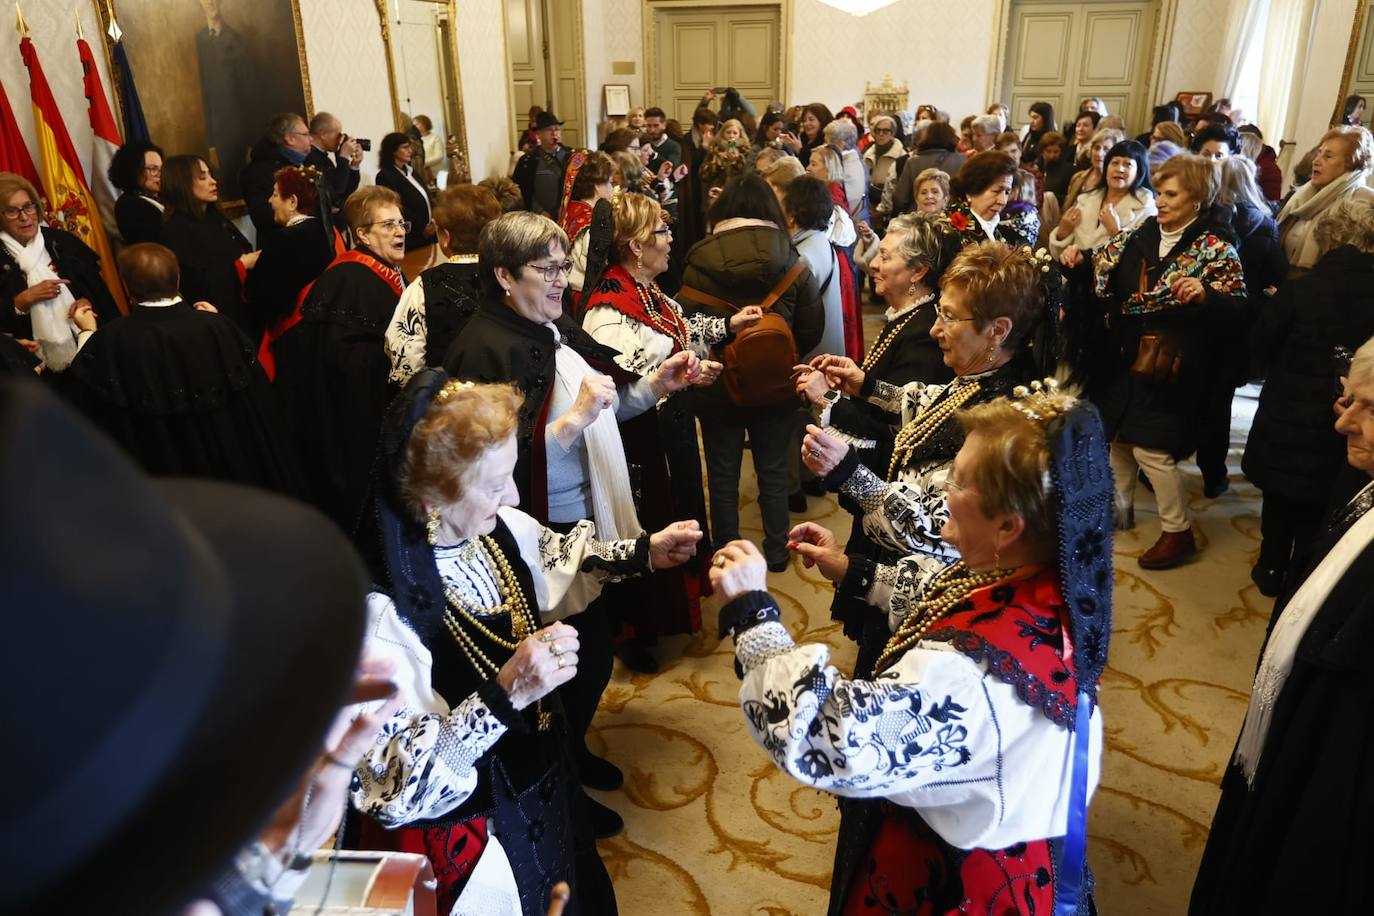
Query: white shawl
[[53, 329], [1298, 218], [613, 506], [1288, 633]]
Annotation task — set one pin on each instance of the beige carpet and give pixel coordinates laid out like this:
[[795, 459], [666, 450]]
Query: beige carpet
[[713, 827]]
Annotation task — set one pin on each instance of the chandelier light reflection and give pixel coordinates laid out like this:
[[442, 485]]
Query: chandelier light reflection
[[858, 7]]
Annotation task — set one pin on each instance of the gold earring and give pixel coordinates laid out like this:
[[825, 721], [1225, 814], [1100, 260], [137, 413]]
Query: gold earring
[[992, 352], [911, 289], [432, 525], [996, 559], [639, 265]]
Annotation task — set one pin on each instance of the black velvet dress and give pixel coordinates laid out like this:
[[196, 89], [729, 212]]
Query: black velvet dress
[[290, 261], [73, 260], [208, 250], [182, 392], [331, 378]]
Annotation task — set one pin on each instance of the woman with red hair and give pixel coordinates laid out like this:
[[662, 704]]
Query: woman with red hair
[[292, 258]]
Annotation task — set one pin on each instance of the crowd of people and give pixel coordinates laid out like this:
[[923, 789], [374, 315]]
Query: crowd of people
[[500, 396]]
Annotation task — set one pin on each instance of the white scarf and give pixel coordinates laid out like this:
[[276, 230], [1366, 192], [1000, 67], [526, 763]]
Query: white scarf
[[54, 331], [613, 505], [989, 225], [1288, 633], [1298, 218]]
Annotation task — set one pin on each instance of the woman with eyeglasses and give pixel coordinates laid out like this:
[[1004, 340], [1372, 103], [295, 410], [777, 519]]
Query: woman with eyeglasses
[[884, 159], [328, 360], [47, 277], [626, 311], [990, 302], [136, 170], [581, 432]]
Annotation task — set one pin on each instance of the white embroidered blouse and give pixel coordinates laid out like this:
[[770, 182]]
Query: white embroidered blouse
[[643, 347], [937, 732]]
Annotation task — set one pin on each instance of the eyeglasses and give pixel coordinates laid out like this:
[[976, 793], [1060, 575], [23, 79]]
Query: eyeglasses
[[29, 209], [882, 130], [152, 169], [550, 272], [944, 315], [953, 486], [392, 225]]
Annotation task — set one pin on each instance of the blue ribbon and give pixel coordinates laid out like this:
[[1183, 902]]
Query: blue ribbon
[[1070, 876]]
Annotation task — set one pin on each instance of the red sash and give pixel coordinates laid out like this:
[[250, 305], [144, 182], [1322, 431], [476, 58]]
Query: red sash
[[391, 275]]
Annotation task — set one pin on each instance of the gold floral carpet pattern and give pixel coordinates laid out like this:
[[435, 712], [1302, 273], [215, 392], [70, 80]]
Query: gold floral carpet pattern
[[713, 827]]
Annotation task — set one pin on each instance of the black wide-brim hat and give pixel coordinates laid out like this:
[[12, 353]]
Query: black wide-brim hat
[[174, 651], [546, 119]]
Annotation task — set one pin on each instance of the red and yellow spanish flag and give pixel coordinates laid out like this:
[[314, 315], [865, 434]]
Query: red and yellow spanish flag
[[70, 205]]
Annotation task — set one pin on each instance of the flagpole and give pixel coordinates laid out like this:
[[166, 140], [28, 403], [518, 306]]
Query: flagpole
[[76, 14], [20, 25]]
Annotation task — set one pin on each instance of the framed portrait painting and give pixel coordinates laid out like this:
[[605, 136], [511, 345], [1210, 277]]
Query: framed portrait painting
[[211, 72]]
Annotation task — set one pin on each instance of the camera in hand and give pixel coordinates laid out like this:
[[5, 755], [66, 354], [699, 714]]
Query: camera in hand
[[364, 144]]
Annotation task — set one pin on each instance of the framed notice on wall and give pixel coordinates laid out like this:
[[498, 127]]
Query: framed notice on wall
[[617, 99]]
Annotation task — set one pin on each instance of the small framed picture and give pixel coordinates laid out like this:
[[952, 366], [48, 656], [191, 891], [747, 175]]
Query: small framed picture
[[1194, 103], [617, 99]]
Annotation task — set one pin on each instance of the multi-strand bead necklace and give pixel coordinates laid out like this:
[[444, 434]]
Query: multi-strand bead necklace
[[946, 591], [914, 434], [660, 312], [885, 340], [513, 605]]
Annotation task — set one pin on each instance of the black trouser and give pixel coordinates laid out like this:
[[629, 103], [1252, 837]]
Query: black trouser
[[595, 659], [1214, 429], [1287, 528]]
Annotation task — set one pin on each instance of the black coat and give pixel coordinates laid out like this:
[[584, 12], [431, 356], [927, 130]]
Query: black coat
[[332, 379], [138, 219], [414, 204], [257, 181], [1293, 448], [181, 390], [290, 261], [1159, 415], [742, 266], [208, 250], [1261, 255], [524, 174], [73, 260], [453, 293], [1298, 841], [339, 177]]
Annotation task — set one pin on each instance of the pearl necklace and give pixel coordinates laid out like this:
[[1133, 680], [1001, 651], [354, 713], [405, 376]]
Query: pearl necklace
[[657, 309], [947, 591], [513, 604], [918, 431], [885, 340]]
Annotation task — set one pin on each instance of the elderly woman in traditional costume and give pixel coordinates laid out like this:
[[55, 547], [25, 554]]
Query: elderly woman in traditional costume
[[965, 762], [476, 762]]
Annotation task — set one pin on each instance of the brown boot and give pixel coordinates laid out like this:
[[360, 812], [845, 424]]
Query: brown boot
[[1172, 548]]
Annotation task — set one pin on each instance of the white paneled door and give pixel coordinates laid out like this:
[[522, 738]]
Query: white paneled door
[[1063, 52], [698, 49], [543, 39]]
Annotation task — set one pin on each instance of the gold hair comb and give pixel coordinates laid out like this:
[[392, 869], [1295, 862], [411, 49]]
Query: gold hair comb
[[451, 387], [1042, 401]]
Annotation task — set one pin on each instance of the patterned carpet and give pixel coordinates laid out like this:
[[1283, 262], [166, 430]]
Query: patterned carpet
[[713, 827]]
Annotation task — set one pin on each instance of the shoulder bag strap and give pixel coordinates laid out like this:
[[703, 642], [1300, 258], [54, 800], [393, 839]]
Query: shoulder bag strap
[[787, 280], [696, 295]]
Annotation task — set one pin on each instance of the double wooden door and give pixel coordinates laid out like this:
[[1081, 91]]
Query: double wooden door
[[543, 40], [698, 49], [1062, 52]]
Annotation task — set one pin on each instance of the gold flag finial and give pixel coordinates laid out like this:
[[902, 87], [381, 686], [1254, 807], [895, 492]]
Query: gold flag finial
[[19, 23], [114, 31], [76, 14]]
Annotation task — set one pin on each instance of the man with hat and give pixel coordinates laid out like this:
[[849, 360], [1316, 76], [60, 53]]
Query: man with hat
[[178, 652], [539, 173]]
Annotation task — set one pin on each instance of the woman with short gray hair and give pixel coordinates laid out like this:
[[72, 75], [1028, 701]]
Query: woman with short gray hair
[[1292, 453], [572, 463], [841, 136]]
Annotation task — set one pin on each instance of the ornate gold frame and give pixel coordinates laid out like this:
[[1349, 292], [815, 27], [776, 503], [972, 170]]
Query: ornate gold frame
[[1356, 32], [460, 130], [105, 12]]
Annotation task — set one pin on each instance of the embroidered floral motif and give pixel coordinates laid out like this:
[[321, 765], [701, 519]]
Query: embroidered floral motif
[[1207, 258]]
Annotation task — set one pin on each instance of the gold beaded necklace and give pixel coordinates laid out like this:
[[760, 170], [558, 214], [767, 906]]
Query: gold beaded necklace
[[885, 340], [513, 604], [947, 590], [657, 309], [914, 434]]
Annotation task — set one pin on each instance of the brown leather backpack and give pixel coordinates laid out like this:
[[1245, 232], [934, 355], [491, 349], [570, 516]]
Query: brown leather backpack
[[758, 362]]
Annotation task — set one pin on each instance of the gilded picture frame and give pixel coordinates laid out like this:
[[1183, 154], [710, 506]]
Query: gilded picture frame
[[246, 60]]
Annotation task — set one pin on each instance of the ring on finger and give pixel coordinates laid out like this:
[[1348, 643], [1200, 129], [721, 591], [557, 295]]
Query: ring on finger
[[547, 636], [814, 453], [718, 561], [562, 662], [555, 648]]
